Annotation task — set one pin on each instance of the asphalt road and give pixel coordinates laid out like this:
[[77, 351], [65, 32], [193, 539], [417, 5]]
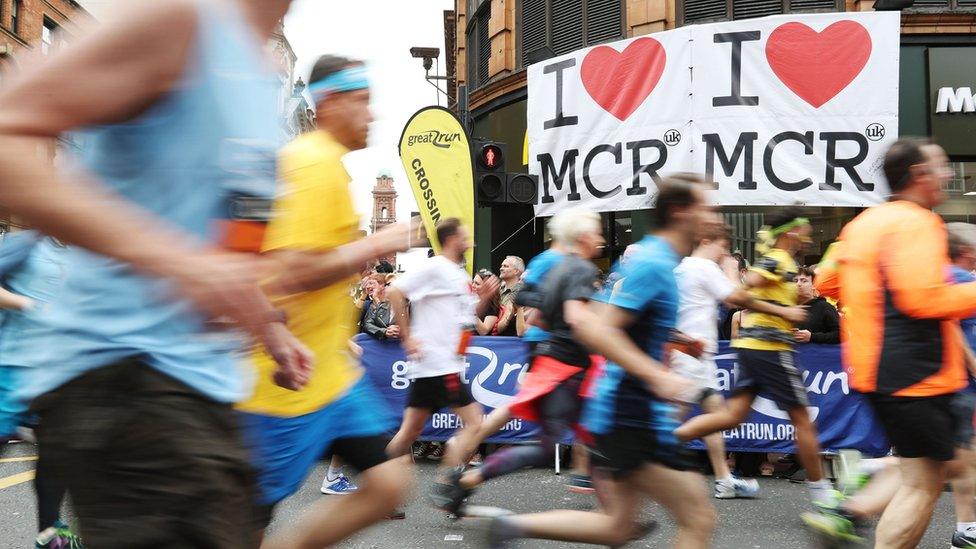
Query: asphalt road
[[769, 522]]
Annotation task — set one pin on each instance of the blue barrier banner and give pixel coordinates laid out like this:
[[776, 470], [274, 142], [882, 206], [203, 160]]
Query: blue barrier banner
[[844, 418], [496, 366]]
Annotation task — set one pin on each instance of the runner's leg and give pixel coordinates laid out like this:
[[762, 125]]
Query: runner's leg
[[807, 445], [411, 428], [466, 439], [331, 520], [684, 495], [907, 516], [715, 443], [735, 412], [614, 528]]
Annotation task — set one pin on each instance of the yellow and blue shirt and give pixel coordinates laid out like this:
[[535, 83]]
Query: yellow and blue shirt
[[313, 213], [765, 332]]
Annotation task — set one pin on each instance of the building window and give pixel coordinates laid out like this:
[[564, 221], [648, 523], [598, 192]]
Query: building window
[[562, 26], [15, 16], [942, 5], [703, 11], [47, 35], [479, 47]]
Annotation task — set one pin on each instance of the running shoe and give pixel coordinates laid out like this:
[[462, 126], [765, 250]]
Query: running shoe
[[338, 487], [476, 460], [850, 478], [397, 514], [963, 540], [736, 488], [58, 536], [450, 496], [580, 484], [833, 525], [422, 449], [438, 452]]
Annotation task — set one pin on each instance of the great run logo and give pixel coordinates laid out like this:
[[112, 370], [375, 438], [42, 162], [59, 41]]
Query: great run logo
[[435, 138], [820, 383], [494, 384]]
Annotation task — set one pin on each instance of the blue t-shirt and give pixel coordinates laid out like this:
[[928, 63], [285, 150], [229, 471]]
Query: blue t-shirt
[[968, 325], [536, 271], [649, 291]]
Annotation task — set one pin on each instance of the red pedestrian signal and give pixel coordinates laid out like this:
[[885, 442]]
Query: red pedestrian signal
[[491, 157]]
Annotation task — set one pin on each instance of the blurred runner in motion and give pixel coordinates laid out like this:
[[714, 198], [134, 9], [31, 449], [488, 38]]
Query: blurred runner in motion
[[337, 411], [175, 107], [434, 331], [552, 391], [767, 359], [629, 416], [890, 268], [703, 285], [31, 274]]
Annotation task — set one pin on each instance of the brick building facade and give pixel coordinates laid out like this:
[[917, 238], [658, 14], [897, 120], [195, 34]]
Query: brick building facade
[[384, 206], [37, 24]]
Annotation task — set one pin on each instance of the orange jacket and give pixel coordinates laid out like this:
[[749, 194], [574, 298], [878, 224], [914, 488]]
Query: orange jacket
[[890, 270]]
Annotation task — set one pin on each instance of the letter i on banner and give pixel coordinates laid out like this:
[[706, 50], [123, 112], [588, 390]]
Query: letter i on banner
[[435, 152]]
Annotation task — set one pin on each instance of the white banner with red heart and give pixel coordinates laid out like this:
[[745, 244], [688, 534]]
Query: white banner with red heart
[[794, 109]]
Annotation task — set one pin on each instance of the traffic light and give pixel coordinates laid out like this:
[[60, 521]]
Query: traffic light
[[493, 185]]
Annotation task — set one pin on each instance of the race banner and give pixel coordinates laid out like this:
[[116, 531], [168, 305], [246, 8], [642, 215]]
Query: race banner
[[844, 418], [436, 156], [791, 109], [496, 366]]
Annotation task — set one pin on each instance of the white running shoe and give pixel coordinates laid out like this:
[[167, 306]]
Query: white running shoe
[[338, 487], [736, 488]]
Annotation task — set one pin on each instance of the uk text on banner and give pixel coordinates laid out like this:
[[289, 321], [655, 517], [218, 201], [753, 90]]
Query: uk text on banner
[[436, 155], [780, 110]]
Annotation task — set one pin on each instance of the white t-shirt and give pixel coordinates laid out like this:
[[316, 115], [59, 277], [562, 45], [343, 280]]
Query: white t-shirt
[[701, 286], [442, 304]]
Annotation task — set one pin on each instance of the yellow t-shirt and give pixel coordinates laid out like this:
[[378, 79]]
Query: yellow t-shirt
[[314, 212], [765, 332]]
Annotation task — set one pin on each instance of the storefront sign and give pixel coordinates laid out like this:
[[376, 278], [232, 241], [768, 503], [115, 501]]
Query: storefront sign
[[952, 80], [781, 110]]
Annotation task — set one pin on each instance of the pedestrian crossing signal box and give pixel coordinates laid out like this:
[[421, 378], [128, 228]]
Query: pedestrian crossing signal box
[[493, 185]]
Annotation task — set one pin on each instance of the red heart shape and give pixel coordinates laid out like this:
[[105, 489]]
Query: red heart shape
[[620, 81], [818, 65]]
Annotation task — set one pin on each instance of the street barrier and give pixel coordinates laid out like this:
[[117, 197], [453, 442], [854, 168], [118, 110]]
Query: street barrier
[[496, 366]]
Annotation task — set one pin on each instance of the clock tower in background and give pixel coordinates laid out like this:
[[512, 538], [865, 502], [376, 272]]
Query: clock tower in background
[[384, 206]]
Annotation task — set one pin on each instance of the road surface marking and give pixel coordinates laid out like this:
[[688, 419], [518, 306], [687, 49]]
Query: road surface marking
[[14, 480], [18, 459]]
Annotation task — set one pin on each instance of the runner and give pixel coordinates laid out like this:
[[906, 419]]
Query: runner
[[703, 285], [890, 270], [31, 273], [133, 396], [178, 118], [551, 392], [767, 360], [442, 307], [629, 416], [337, 411]]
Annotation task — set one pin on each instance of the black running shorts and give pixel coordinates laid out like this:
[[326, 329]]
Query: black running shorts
[[435, 393], [963, 410], [772, 374], [918, 427], [625, 450]]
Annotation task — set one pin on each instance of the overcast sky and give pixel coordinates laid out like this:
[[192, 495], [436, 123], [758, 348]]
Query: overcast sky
[[381, 33]]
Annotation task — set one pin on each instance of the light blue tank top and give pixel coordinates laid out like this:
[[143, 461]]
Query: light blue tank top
[[213, 137], [39, 276]]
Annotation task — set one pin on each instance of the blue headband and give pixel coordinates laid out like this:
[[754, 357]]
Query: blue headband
[[348, 79]]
